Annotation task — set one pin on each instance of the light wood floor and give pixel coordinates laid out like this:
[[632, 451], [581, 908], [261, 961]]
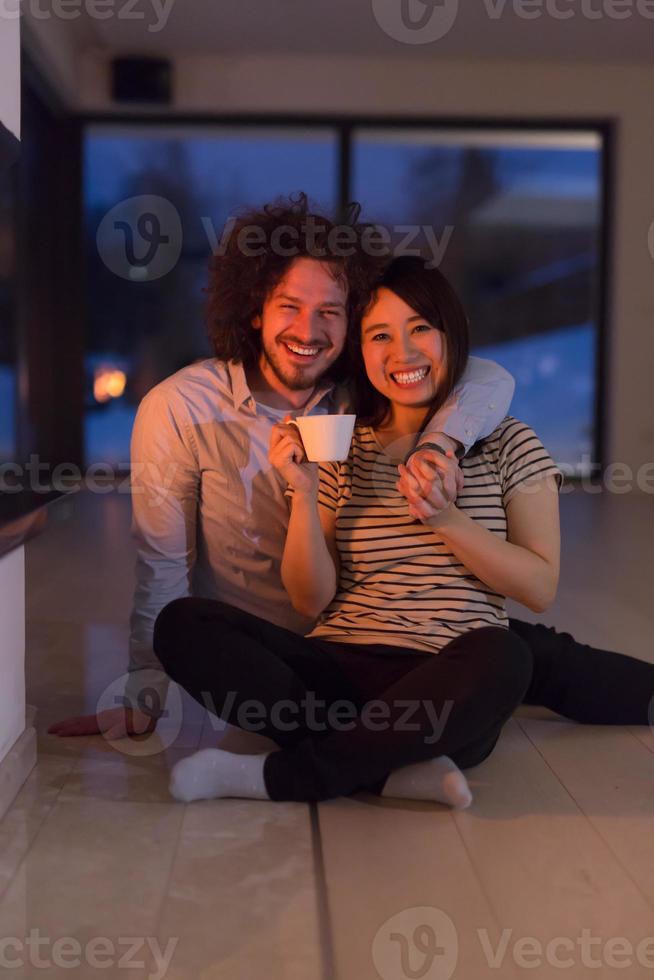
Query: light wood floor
[[557, 848]]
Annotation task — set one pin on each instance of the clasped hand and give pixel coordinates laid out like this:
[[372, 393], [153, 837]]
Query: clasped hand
[[431, 482]]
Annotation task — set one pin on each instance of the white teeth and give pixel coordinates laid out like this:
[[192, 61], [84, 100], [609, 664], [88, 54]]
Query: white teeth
[[306, 351], [409, 377]]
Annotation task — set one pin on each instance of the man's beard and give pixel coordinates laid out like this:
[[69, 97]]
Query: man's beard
[[294, 378]]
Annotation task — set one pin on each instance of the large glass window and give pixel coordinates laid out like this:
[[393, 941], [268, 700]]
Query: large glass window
[[182, 183], [514, 220], [513, 217]]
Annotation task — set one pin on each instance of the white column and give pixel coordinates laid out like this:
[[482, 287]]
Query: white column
[[10, 70], [17, 743], [12, 648]]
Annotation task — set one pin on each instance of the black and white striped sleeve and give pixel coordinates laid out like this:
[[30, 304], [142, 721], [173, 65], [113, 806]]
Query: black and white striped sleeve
[[328, 492], [523, 459]]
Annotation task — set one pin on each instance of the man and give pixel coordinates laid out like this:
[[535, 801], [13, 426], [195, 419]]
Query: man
[[209, 513]]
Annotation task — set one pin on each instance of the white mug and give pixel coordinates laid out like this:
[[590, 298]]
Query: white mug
[[325, 437]]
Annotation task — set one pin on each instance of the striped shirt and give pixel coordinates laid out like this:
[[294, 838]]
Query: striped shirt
[[399, 583]]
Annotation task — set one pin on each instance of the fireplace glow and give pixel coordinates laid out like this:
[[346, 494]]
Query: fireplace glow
[[108, 383]]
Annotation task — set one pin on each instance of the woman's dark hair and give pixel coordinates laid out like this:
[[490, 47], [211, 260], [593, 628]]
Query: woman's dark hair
[[429, 293], [262, 244]]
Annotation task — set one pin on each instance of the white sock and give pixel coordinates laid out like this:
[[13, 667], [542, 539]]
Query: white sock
[[437, 779], [210, 773]]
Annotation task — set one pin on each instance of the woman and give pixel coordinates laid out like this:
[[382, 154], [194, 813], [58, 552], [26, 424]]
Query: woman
[[413, 637]]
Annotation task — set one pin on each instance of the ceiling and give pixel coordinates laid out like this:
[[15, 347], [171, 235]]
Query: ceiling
[[480, 29]]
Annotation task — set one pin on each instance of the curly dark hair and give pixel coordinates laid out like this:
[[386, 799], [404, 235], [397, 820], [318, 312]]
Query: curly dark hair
[[430, 294], [255, 260]]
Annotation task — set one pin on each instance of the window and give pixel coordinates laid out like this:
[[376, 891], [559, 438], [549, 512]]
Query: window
[[512, 216], [514, 219]]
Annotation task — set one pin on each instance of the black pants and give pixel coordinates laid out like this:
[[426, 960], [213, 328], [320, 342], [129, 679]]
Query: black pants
[[583, 683], [344, 716]]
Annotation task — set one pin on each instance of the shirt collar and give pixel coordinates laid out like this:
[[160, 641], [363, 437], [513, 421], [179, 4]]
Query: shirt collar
[[323, 389], [241, 390]]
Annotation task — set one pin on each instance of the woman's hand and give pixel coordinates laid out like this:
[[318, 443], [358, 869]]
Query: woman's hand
[[431, 483], [287, 455]]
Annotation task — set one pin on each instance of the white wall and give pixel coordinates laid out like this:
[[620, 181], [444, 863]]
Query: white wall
[[53, 45], [10, 74], [496, 89], [12, 648]]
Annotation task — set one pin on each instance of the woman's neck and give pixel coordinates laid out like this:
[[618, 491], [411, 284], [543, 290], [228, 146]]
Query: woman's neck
[[400, 422], [403, 419]]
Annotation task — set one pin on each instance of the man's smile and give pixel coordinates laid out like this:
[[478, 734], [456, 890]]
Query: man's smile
[[301, 353]]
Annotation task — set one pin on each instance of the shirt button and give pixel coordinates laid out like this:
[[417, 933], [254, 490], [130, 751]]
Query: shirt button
[[491, 405]]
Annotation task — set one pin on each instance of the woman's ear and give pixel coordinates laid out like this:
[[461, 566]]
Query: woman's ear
[[256, 322]]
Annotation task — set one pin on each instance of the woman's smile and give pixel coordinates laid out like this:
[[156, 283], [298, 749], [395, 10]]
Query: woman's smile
[[410, 378]]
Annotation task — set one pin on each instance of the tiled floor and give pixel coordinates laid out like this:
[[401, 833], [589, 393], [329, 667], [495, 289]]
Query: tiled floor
[[557, 846]]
